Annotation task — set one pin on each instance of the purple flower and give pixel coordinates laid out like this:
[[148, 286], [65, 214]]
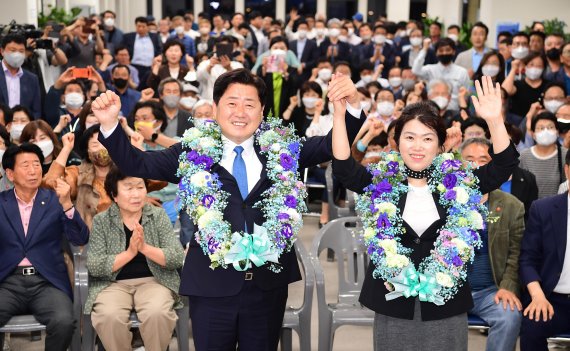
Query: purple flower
[[290, 201], [384, 187], [294, 148], [286, 230], [283, 216], [383, 222], [286, 161], [213, 245], [208, 200], [450, 195], [192, 155], [456, 260], [449, 181], [475, 198], [450, 164], [373, 249], [393, 167]]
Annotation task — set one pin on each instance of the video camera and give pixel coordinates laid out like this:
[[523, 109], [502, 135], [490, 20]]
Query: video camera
[[26, 30]]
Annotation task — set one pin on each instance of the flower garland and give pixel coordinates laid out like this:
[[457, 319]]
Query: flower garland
[[439, 275], [200, 192]]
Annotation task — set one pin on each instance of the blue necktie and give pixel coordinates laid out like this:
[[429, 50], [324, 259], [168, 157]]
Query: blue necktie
[[239, 172]]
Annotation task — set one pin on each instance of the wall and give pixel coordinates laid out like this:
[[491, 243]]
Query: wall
[[23, 11]]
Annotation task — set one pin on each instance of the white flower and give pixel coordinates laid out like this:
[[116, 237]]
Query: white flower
[[391, 157], [275, 147], [293, 214], [368, 234], [267, 138], [386, 207], [461, 245], [395, 260], [207, 142], [389, 245], [278, 168], [444, 280], [441, 188], [193, 133], [200, 179], [461, 195], [476, 219], [208, 218], [447, 156]]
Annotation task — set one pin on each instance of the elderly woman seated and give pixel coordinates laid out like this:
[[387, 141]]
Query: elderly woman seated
[[132, 262]]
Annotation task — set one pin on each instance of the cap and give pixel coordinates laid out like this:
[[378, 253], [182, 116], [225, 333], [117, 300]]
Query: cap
[[358, 16], [186, 87]]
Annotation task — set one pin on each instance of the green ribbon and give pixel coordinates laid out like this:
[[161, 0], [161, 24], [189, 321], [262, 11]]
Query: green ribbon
[[410, 283], [253, 248]]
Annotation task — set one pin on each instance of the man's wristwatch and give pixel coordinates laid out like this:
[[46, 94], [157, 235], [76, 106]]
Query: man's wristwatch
[[154, 136]]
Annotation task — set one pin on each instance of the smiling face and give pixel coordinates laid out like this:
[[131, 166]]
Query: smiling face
[[239, 112], [418, 145]]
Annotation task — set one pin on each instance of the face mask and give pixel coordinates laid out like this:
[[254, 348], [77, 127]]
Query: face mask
[[320, 32], [148, 124], [278, 52], [520, 52], [379, 39], [453, 37], [366, 37], [74, 100], [179, 30], [385, 108], [553, 105], [408, 84], [188, 101], [120, 83], [366, 79], [372, 154], [171, 101], [395, 81], [343, 38], [533, 73], [16, 131], [204, 30], [325, 74], [445, 59], [334, 32], [350, 31], [310, 102], [46, 146], [546, 137], [14, 59], [553, 54], [302, 34], [416, 41], [100, 158], [109, 22], [365, 105], [490, 70], [440, 101]]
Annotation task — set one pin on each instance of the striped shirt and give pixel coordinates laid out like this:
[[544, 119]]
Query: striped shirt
[[545, 169]]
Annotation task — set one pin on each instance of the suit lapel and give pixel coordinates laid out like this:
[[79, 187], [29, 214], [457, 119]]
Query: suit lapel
[[12, 212], [495, 206], [38, 211], [3, 86], [263, 175], [560, 225]]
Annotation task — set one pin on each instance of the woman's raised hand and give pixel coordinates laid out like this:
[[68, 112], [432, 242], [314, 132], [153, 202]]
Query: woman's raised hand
[[488, 103]]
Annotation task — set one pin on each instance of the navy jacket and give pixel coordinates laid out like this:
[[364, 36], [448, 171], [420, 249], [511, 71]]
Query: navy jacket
[[29, 92], [197, 278], [309, 57], [129, 42], [543, 247], [43, 243]]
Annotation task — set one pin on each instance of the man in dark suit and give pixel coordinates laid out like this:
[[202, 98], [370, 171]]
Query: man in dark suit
[[33, 275], [230, 307], [143, 48], [379, 51], [545, 271], [305, 49], [18, 86]]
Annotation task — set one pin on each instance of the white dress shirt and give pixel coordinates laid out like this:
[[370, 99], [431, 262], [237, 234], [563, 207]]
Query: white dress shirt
[[207, 79], [143, 51], [420, 211], [301, 47], [12, 85], [563, 286], [252, 164]]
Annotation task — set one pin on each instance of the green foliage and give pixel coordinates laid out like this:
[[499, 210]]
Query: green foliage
[[58, 15], [552, 26], [464, 34], [427, 21]]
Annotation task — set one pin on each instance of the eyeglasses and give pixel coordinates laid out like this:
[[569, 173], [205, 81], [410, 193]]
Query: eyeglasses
[[541, 129]]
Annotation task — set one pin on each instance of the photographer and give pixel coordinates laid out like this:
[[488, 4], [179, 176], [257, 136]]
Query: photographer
[[83, 48]]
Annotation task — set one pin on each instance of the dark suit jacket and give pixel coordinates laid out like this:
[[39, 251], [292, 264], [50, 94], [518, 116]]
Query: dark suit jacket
[[405, 57], [42, 244], [288, 89], [29, 92], [356, 177], [309, 57], [524, 188], [343, 50], [163, 72], [543, 248], [129, 42], [183, 122], [365, 53], [197, 278]]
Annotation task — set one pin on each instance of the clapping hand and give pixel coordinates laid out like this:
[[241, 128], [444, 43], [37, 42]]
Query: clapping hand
[[488, 103]]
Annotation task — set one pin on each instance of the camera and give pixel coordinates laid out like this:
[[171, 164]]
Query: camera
[[28, 31]]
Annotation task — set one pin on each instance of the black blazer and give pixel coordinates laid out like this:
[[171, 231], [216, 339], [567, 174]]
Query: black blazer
[[309, 57], [288, 89], [524, 188], [405, 57], [356, 177], [129, 42], [29, 92], [343, 50], [197, 277]]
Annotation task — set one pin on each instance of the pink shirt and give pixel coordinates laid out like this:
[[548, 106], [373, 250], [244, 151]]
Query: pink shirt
[[12, 85], [26, 214]]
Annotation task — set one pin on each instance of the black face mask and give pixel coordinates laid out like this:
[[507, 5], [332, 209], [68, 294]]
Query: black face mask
[[120, 83], [553, 54], [445, 59]]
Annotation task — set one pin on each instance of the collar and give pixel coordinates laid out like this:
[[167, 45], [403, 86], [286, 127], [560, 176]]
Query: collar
[[138, 36], [7, 71], [22, 201], [230, 145]]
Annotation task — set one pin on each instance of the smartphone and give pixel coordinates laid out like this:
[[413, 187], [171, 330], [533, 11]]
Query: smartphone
[[44, 44], [274, 63], [87, 27], [223, 49], [81, 73]]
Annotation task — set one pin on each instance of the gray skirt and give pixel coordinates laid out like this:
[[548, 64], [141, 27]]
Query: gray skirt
[[403, 334]]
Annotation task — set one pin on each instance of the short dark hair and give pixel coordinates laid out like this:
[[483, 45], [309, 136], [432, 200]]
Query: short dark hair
[[117, 66], [366, 24], [13, 38], [537, 33], [5, 136], [552, 84], [108, 11], [314, 86], [7, 113], [480, 25], [239, 76], [141, 19], [157, 112], [121, 47], [546, 115], [254, 15], [9, 158], [111, 181], [505, 33], [507, 41], [443, 42], [174, 42], [454, 26], [532, 55], [22, 108], [425, 113], [521, 34], [83, 147], [437, 24], [278, 39], [475, 121]]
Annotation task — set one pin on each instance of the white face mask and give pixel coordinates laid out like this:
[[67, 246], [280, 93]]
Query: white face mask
[[302, 34], [278, 52], [74, 100], [310, 102], [546, 137], [520, 52], [14, 59], [490, 70], [320, 32], [366, 37], [553, 105], [16, 131], [372, 154], [416, 41], [365, 105], [325, 74], [533, 73], [343, 38], [334, 32], [204, 30], [46, 146], [379, 39], [385, 108], [440, 101], [350, 31], [366, 79], [453, 37], [179, 30], [395, 82], [188, 102], [109, 22]]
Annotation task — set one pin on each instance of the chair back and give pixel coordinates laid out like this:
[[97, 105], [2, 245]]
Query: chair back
[[307, 266], [334, 210]]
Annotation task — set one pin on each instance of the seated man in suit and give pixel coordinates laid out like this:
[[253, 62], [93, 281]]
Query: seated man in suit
[[230, 306], [33, 275], [18, 86], [545, 271], [493, 276]]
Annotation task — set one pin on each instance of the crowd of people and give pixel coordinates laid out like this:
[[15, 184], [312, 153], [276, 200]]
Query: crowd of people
[[91, 129]]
